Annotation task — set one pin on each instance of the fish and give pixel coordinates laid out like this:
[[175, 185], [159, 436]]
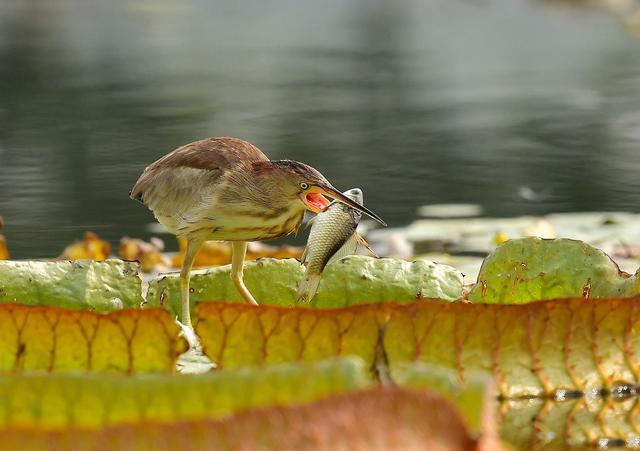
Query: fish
[[333, 236]]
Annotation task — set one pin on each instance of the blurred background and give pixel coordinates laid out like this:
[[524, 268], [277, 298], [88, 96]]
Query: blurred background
[[523, 107]]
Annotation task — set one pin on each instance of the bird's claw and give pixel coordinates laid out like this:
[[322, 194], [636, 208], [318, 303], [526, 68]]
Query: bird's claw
[[190, 335]]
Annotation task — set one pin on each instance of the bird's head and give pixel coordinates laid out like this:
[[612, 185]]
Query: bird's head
[[310, 187]]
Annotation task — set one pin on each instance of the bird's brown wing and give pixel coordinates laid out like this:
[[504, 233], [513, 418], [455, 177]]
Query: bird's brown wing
[[177, 183], [211, 154]]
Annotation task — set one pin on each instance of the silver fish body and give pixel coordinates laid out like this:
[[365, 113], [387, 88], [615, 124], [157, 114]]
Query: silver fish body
[[332, 236]]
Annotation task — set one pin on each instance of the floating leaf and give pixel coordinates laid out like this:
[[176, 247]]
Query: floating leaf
[[352, 280], [533, 269], [4, 250], [389, 419], [470, 398], [95, 400], [572, 423], [235, 335], [55, 339], [100, 286], [214, 253], [532, 350], [536, 349], [91, 247], [148, 254]]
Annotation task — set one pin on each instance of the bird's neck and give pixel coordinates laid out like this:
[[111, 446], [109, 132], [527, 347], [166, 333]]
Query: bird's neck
[[260, 186]]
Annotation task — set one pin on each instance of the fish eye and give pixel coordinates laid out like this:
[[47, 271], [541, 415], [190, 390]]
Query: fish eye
[[304, 185]]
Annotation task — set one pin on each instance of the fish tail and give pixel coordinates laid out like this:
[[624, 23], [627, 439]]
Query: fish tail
[[366, 245], [308, 287]]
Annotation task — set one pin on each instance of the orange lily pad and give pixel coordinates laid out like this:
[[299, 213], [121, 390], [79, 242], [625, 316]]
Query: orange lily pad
[[215, 253], [56, 339], [148, 254], [91, 247], [4, 250], [535, 349]]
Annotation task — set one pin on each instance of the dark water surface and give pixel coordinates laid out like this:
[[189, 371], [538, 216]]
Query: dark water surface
[[415, 102]]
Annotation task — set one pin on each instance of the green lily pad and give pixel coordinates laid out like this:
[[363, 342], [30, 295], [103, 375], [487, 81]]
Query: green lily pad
[[531, 269], [373, 419], [96, 400], [100, 286], [352, 280], [469, 397]]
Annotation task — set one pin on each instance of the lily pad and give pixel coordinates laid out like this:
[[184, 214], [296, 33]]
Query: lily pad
[[237, 335], [531, 269], [94, 400], [58, 340], [470, 397], [352, 280], [374, 419], [570, 423], [533, 350], [100, 286]]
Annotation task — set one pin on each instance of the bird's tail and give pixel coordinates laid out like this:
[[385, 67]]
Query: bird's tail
[[308, 287]]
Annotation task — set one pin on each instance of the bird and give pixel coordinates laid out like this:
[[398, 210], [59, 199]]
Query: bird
[[226, 189]]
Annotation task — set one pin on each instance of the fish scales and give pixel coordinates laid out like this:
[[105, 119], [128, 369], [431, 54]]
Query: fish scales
[[328, 233], [332, 234]]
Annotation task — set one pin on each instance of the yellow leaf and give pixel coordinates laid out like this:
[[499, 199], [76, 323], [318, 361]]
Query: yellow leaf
[[376, 419], [236, 335], [500, 238], [535, 349], [92, 247], [56, 339], [4, 250], [94, 400], [148, 254], [215, 253]]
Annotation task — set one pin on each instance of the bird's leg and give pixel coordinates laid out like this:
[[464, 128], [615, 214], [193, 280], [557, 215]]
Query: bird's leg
[[193, 246], [237, 263]]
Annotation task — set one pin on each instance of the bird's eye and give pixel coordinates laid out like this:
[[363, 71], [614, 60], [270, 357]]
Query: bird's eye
[[304, 185]]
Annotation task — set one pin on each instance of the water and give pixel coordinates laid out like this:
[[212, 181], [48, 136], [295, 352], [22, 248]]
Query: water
[[413, 101]]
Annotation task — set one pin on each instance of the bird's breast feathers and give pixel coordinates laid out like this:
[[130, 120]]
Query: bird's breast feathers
[[233, 221], [243, 221]]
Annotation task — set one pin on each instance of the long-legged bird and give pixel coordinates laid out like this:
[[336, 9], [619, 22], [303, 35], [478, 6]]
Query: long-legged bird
[[226, 189]]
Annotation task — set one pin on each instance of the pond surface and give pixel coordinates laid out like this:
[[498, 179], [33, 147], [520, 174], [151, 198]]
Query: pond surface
[[520, 107]]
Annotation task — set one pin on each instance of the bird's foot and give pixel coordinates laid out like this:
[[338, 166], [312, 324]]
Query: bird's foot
[[190, 335], [194, 361]]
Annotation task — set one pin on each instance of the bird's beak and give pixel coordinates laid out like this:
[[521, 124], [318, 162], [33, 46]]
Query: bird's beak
[[330, 191]]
